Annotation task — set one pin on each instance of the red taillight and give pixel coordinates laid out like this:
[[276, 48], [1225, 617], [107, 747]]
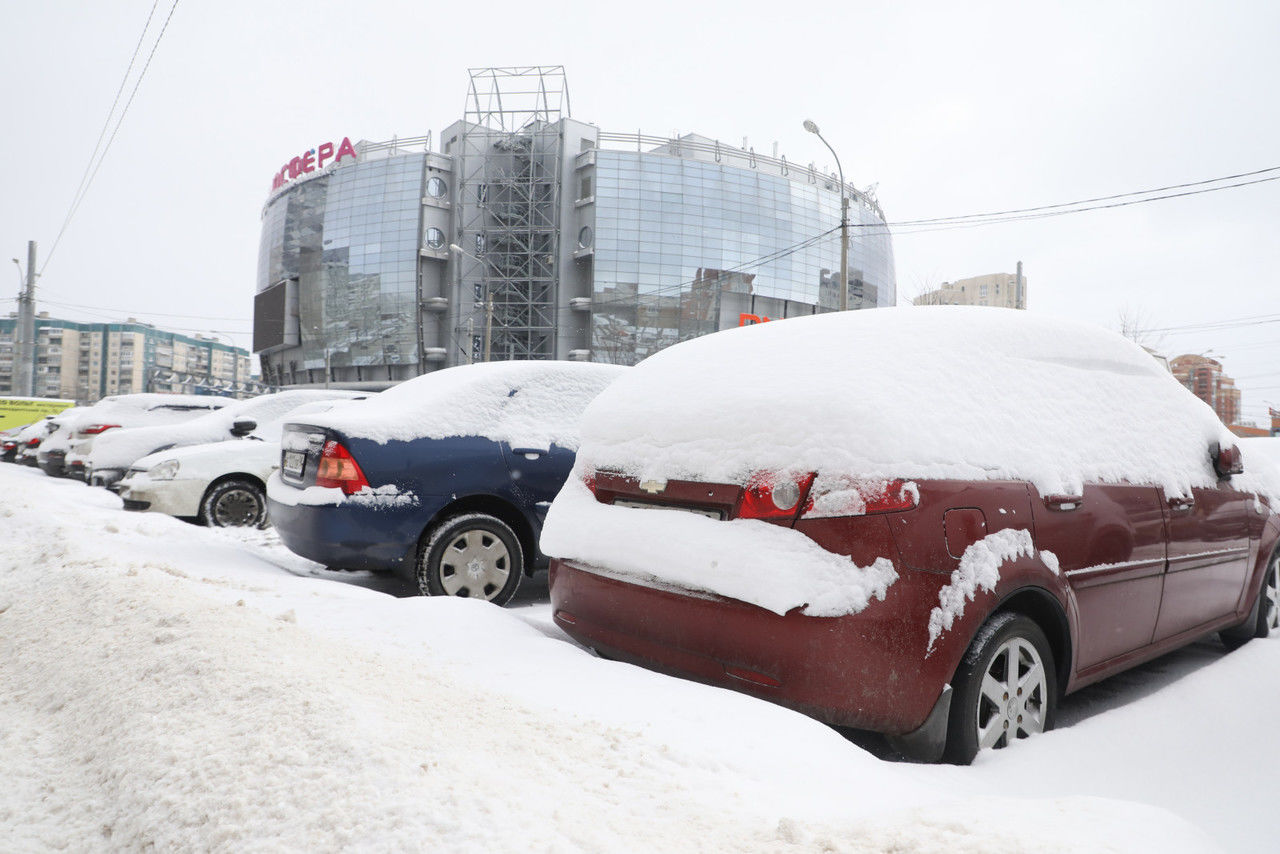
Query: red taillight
[[590, 480], [33, 443], [95, 429], [338, 469], [775, 497]]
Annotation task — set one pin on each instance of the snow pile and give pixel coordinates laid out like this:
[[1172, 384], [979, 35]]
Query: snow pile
[[173, 688], [749, 560], [526, 404], [927, 392], [979, 568], [120, 448]]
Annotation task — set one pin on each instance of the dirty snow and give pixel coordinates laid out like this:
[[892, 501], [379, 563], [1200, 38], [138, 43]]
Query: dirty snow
[[178, 688]]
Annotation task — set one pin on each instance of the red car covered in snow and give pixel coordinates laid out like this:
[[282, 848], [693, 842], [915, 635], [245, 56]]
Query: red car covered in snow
[[927, 522]]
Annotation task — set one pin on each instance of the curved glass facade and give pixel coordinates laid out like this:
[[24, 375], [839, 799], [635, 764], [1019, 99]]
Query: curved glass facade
[[348, 242], [673, 236], [544, 244]]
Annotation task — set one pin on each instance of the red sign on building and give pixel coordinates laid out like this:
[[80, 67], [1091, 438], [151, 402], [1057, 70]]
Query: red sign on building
[[313, 160]]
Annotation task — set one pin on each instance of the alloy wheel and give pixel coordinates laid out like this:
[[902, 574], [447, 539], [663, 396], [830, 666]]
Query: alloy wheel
[[1012, 702]]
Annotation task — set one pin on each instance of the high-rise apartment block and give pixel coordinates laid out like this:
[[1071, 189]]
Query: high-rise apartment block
[[1007, 290], [88, 361], [1204, 378]]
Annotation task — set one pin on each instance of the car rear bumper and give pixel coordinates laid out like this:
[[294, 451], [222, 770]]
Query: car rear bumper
[[869, 670], [349, 535]]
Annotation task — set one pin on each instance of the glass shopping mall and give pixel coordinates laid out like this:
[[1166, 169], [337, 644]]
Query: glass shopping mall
[[525, 233]]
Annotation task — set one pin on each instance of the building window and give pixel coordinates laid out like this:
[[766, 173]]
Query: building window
[[435, 238], [584, 237], [436, 187], [585, 191]]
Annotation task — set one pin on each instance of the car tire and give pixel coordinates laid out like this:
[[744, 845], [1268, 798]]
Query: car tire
[[475, 555], [234, 504], [1005, 688], [1264, 617], [1269, 600]]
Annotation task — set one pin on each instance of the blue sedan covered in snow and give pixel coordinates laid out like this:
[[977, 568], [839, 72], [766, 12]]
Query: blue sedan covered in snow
[[445, 478]]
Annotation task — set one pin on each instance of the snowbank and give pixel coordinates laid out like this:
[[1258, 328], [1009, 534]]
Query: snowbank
[[924, 392], [527, 404], [171, 687]]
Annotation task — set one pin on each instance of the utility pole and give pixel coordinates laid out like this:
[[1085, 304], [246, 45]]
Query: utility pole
[[24, 365], [844, 218]]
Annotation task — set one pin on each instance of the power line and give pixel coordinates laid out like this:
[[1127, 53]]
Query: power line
[[147, 313], [85, 185], [1102, 198]]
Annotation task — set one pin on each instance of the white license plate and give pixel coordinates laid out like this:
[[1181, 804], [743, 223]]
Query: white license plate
[[644, 505], [294, 462]]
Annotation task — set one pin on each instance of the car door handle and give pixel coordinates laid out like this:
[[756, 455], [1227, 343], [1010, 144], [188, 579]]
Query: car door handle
[[529, 453], [1063, 502], [1181, 503]]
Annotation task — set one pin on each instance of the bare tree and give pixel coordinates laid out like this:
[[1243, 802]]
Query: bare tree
[[1137, 324]]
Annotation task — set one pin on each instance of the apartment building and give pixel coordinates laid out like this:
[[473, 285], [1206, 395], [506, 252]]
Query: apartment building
[[1006, 290], [88, 361]]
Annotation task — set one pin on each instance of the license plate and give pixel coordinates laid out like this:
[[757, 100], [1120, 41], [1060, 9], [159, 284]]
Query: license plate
[[294, 461], [644, 505]]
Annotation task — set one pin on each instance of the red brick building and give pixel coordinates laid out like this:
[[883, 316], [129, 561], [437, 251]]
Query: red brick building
[[1204, 377]]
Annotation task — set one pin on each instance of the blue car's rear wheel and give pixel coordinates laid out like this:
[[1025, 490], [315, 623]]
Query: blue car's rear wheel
[[474, 555]]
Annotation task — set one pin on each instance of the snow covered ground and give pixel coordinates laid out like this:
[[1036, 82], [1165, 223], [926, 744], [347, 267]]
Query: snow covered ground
[[175, 687]]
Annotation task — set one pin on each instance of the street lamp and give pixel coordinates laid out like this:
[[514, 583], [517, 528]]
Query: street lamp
[[458, 251], [844, 219]]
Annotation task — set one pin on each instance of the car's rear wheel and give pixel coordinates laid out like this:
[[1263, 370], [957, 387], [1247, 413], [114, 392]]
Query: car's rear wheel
[[234, 504], [1269, 606], [1005, 688], [475, 555], [1265, 616]]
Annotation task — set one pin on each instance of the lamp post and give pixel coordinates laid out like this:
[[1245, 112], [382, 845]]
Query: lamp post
[[844, 219], [458, 252]]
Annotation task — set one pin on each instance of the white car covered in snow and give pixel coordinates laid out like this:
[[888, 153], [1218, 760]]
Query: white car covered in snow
[[113, 453], [65, 450], [221, 483]]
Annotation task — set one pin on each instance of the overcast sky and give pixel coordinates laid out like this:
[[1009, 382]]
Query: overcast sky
[[951, 108]]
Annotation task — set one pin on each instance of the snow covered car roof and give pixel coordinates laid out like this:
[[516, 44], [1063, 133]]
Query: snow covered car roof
[[920, 392], [530, 403]]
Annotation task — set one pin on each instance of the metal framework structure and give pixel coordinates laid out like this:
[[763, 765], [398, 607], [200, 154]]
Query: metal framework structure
[[509, 213]]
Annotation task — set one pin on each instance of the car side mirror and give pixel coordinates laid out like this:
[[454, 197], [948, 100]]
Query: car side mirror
[[1227, 461], [243, 427]]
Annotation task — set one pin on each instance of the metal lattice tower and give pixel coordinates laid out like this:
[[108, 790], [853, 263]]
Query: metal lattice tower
[[508, 205]]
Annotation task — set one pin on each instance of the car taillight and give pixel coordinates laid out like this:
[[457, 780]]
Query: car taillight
[[338, 469], [590, 480], [95, 429], [775, 497], [33, 443]]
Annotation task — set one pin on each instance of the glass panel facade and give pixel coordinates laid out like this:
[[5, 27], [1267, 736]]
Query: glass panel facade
[[350, 240], [673, 234]]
